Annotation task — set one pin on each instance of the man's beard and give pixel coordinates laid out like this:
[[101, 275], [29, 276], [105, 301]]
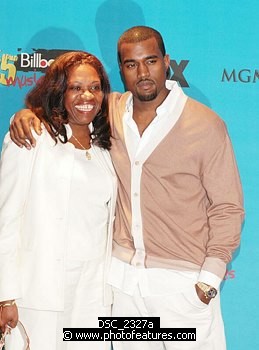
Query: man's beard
[[148, 97]]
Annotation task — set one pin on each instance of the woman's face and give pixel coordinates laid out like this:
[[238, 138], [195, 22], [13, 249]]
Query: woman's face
[[83, 97]]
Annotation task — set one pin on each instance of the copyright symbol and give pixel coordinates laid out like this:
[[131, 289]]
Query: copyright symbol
[[67, 335]]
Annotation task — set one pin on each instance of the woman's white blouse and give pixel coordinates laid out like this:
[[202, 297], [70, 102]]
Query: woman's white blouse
[[88, 211]]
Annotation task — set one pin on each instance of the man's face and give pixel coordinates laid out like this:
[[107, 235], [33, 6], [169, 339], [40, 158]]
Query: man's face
[[143, 68]]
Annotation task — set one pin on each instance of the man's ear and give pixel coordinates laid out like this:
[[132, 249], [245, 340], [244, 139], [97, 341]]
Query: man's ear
[[167, 66], [167, 60]]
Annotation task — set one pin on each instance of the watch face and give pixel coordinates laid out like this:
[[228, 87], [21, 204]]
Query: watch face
[[212, 292]]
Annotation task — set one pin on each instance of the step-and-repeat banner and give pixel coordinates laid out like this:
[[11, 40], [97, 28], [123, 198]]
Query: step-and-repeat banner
[[214, 53]]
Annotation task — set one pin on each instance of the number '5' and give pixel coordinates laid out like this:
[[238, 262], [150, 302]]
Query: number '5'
[[11, 71]]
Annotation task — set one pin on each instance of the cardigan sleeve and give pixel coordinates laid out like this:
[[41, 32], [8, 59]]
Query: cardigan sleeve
[[225, 212]]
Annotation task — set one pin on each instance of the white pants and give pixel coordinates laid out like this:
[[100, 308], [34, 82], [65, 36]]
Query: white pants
[[178, 310], [83, 306]]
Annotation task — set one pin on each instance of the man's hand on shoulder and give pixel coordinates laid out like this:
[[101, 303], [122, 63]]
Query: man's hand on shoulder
[[20, 128]]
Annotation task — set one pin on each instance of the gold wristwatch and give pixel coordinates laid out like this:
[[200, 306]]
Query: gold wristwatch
[[209, 292]]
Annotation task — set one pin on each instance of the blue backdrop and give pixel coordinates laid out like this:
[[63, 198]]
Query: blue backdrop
[[214, 52]]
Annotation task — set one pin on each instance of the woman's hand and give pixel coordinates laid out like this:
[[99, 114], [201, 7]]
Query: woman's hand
[[20, 128], [8, 315]]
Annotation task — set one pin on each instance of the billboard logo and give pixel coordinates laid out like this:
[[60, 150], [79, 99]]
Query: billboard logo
[[32, 64], [34, 61]]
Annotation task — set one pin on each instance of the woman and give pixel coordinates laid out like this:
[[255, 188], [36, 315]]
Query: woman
[[57, 208]]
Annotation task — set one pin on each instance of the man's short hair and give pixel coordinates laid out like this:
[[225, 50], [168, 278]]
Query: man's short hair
[[140, 33]]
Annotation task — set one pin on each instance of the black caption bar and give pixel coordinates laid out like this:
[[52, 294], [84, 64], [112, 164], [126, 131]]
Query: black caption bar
[[123, 323], [129, 329]]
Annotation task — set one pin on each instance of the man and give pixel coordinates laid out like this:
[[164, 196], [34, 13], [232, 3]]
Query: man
[[179, 208]]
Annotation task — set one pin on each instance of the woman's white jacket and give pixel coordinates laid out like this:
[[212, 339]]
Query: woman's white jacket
[[34, 199]]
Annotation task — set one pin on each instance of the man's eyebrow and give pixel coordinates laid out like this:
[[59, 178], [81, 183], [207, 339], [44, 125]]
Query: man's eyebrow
[[152, 56], [145, 58], [128, 60]]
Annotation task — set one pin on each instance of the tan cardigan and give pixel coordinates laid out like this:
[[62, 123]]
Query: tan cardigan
[[191, 196]]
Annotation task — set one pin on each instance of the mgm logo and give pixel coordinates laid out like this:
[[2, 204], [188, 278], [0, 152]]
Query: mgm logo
[[240, 76]]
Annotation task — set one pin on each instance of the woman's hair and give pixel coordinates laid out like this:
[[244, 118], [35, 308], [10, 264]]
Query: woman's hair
[[46, 99]]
